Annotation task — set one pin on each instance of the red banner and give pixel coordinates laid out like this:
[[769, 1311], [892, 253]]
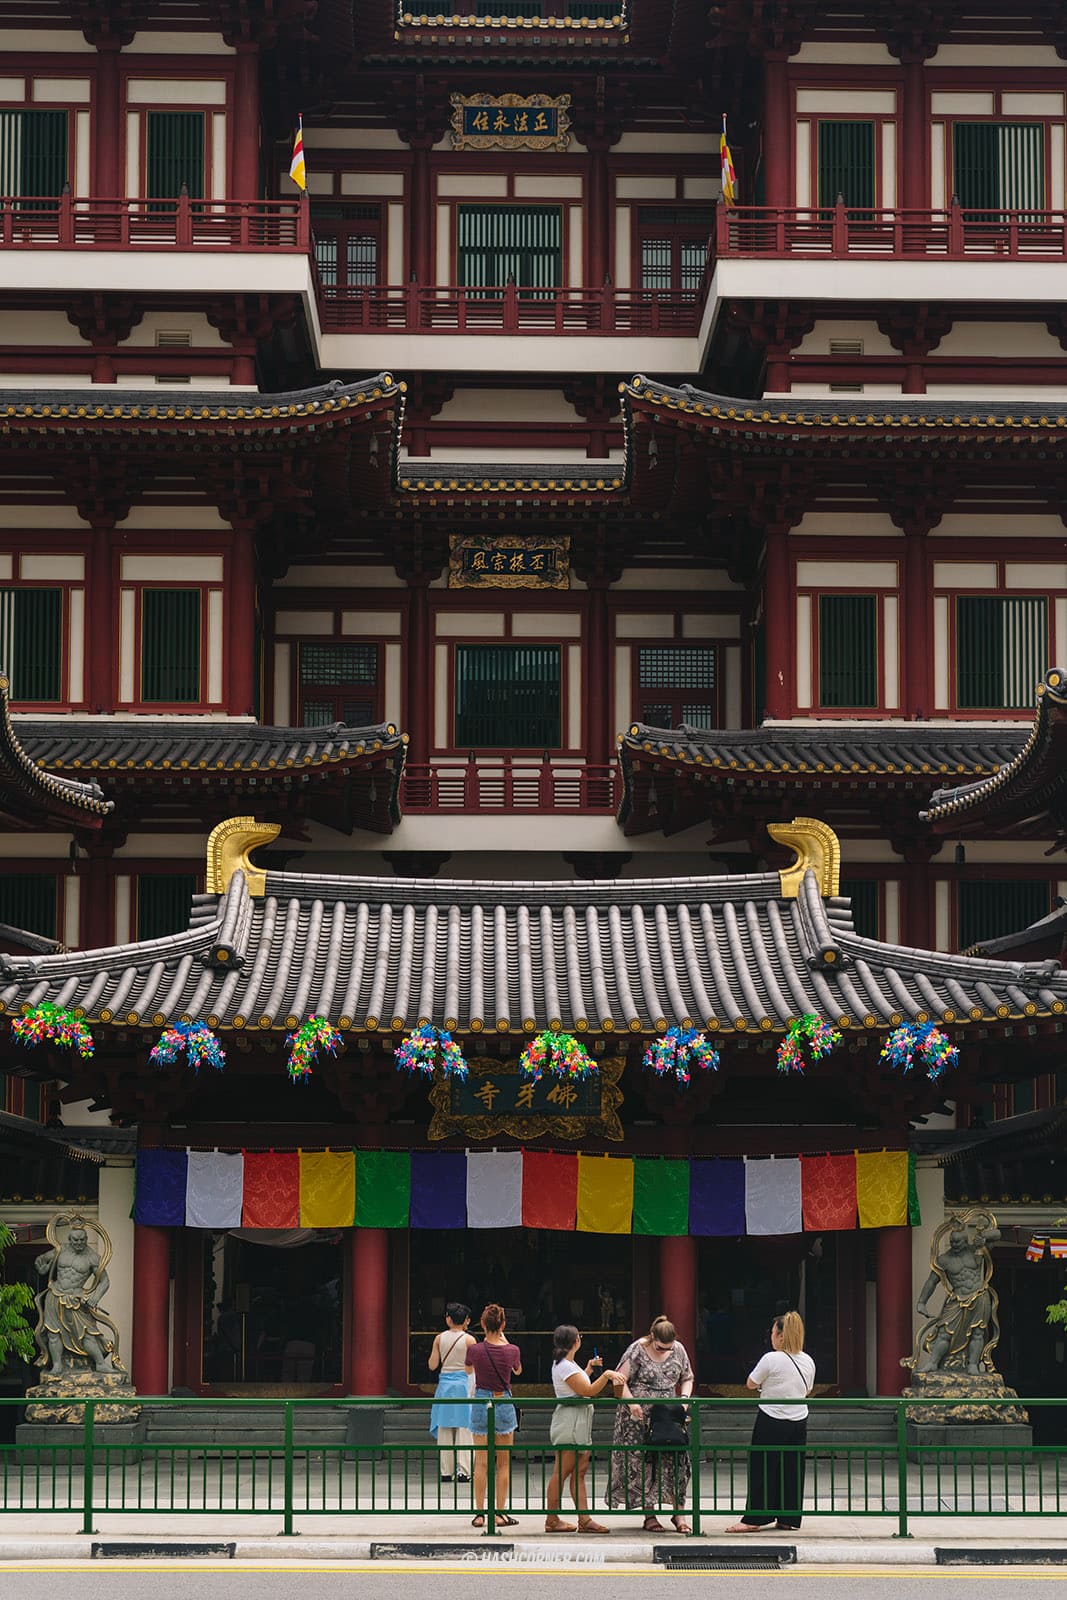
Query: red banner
[[272, 1189], [828, 1191], [549, 1190]]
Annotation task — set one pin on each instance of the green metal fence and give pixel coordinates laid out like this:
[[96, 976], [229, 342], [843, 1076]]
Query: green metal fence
[[293, 1474]]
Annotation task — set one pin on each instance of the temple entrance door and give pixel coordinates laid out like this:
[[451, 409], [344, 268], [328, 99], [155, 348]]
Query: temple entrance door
[[272, 1304], [540, 1277], [1031, 1355], [744, 1284]]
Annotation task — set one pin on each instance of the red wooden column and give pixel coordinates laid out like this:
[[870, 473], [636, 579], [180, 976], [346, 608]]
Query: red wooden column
[[108, 181], [778, 621], [918, 655], [678, 1288], [422, 232], [914, 193], [598, 214], [894, 1325], [418, 677], [778, 186], [598, 696], [368, 1344], [241, 612], [919, 927], [151, 1298], [101, 637], [244, 174]]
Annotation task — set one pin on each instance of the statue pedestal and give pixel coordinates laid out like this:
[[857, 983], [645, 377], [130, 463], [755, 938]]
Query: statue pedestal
[[54, 1400], [969, 1422]]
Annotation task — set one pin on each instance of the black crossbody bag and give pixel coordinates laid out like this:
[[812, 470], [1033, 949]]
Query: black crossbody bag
[[668, 1427], [505, 1386]]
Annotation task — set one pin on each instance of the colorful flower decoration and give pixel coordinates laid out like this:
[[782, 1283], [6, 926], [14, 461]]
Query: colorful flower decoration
[[677, 1051], [307, 1042], [557, 1053], [47, 1023], [194, 1040], [428, 1048], [922, 1043], [807, 1039]]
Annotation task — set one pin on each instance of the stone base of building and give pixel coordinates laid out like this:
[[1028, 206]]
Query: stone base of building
[[66, 1443], [969, 1394], [54, 1400]]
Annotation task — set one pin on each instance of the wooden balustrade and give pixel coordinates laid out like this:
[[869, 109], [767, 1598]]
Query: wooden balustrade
[[65, 223], [421, 308], [840, 233], [510, 784]]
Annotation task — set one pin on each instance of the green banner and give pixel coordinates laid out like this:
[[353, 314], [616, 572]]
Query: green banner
[[661, 1196], [914, 1213], [383, 1188]]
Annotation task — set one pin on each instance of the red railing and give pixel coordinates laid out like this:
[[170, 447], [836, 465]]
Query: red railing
[[418, 308], [836, 233], [61, 222], [511, 784]]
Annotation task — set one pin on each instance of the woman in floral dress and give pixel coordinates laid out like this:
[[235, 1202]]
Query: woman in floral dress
[[654, 1368]]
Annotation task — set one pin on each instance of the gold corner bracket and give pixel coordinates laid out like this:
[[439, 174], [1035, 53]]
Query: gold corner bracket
[[818, 848], [228, 849]]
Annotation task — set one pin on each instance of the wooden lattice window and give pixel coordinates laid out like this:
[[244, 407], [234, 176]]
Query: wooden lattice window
[[998, 166], [30, 901], [988, 908], [339, 683], [848, 651], [31, 643], [34, 152], [347, 244], [1001, 650], [673, 244], [163, 903], [174, 154], [171, 646], [498, 245], [846, 164], [508, 696], [676, 684], [865, 895]]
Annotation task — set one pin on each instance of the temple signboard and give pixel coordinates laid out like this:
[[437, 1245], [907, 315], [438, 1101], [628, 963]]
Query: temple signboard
[[511, 122], [502, 561], [496, 1098]]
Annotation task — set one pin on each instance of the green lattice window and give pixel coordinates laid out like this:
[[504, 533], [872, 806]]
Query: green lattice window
[[30, 900], [339, 683], [497, 245], [988, 908], [33, 152], [998, 166], [31, 642], [846, 164], [866, 895], [508, 696], [673, 243], [848, 651], [170, 646], [1001, 650], [174, 154], [163, 903], [676, 684]]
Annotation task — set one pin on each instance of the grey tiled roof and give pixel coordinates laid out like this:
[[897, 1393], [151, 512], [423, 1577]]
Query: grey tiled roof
[[39, 798], [416, 476], [77, 743], [859, 747], [619, 956], [182, 410]]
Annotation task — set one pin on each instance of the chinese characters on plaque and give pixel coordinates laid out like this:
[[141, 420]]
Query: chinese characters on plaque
[[497, 1098], [510, 122], [490, 561]]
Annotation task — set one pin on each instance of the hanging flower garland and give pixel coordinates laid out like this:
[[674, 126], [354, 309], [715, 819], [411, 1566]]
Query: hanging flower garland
[[557, 1053], [194, 1040], [807, 1040], [426, 1049], [679, 1050], [922, 1043], [308, 1042], [49, 1024]]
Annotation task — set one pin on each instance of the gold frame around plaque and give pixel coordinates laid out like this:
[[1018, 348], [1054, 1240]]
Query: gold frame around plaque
[[558, 141], [459, 542], [573, 1129]]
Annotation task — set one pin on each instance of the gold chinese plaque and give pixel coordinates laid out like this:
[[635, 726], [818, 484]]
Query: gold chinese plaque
[[511, 122], [497, 1099], [503, 561]]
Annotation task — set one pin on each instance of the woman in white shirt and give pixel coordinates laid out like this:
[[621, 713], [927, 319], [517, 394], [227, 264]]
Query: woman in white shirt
[[784, 1377], [572, 1430]]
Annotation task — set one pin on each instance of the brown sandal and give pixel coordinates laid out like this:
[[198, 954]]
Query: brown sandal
[[557, 1525], [652, 1525], [589, 1526]]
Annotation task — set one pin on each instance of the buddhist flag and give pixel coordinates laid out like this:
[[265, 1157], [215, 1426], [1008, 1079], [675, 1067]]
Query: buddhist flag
[[605, 1194], [297, 170], [494, 1189], [661, 1197], [214, 1189], [159, 1198], [772, 1195], [1035, 1250], [729, 176], [272, 1189], [549, 1190], [882, 1188], [327, 1188], [828, 1191], [1058, 1248]]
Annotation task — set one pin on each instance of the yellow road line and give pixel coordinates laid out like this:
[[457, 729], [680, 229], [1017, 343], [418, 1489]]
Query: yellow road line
[[383, 1569]]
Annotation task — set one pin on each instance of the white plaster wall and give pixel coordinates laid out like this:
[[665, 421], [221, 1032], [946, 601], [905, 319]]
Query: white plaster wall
[[846, 524], [115, 1205], [817, 342], [38, 328], [202, 334], [507, 405], [1012, 339], [877, 391]]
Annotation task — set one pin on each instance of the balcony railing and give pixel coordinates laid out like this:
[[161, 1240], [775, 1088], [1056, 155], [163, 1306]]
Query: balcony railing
[[508, 785], [61, 222], [835, 232], [418, 308]]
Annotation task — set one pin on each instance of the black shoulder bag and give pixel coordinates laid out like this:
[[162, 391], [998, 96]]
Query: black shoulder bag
[[505, 1386], [668, 1427]]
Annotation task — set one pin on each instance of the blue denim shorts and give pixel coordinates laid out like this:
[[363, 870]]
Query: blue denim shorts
[[506, 1420]]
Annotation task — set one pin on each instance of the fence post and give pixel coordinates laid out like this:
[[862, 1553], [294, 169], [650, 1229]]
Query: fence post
[[88, 1464], [490, 1468], [287, 1520], [902, 1473], [694, 1451]]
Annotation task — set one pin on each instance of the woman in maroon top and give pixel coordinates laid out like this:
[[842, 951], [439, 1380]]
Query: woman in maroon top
[[494, 1362]]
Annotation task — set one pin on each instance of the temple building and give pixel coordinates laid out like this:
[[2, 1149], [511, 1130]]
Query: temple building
[[495, 579]]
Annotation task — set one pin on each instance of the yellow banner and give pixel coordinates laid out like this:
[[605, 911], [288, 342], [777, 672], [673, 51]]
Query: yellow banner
[[605, 1194], [327, 1188], [882, 1188]]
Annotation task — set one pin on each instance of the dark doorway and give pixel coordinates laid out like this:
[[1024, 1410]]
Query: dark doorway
[[1031, 1355], [273, 1311], [745, 1283]]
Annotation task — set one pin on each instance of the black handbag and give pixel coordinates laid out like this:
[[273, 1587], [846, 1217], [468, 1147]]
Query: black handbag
[[668, 1427]]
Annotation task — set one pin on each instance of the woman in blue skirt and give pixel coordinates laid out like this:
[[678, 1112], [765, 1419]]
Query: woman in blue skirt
[[450, 1423]]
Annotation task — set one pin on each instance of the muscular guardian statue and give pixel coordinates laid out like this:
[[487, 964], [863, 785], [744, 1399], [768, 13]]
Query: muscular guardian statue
[[962, 1335], [71, 1328]]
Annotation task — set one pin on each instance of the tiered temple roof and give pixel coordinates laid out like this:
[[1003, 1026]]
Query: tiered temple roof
[[31, 798]]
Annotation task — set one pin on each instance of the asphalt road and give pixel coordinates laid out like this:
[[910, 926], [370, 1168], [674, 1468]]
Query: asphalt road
[[112, 1580]]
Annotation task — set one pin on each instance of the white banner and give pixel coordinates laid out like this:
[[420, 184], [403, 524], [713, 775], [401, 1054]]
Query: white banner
[[772, 1195], [213, 1189], [494, 1190]]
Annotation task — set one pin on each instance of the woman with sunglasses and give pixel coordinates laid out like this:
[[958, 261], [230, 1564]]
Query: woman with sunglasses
[[656, 1367]]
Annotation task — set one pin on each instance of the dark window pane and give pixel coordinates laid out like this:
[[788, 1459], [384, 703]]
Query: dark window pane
[[174, 154], [31, 642], [846, 164], [522, 245], [988, 908], [33, 152], [865, 894], [1001, 651], [998, 166], [170, 645], [848, 650], [164, 900], [28, 900], [338, 663], [507, 696], [667, 668]]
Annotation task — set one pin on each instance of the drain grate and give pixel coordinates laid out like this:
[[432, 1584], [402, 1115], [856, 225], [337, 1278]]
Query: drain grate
[[724, 1557], [1012, 1556], [187, 1550]]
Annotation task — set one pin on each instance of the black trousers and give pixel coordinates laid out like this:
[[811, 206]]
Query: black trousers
[[776, 1475]]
